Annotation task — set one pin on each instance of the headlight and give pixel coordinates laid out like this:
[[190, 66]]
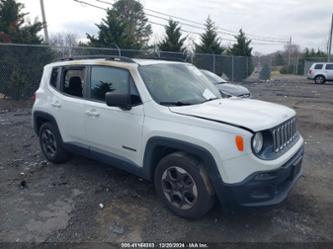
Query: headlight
[[257, 142]]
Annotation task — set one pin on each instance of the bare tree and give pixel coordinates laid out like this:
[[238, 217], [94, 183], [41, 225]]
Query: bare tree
[[64, 43]]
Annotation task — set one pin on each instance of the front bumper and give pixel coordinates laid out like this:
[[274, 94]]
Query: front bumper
[[265, 188]]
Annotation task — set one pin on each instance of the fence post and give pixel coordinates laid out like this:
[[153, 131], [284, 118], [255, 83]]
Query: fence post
[[232, 68], [214, 63], [247, 66]]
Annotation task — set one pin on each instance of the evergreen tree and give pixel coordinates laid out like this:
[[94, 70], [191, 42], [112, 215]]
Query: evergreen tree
[[125, 26], [265, 73], [307, 53], [210, 42], [13, 27], [173, 40], [312, 54], [21, 67], [320, 54], [242, 60], [278, 59], [242, 45]]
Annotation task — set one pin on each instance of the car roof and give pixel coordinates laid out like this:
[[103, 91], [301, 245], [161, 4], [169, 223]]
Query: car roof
[[111, 61], [143, 62]]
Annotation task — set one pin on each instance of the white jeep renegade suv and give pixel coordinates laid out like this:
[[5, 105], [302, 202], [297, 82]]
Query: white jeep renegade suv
[[164, 122]]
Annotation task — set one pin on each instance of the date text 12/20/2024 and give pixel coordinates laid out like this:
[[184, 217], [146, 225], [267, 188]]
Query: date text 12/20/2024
[[164, 245]]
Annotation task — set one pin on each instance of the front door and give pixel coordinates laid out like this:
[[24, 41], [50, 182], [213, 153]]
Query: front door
[[111, 130]]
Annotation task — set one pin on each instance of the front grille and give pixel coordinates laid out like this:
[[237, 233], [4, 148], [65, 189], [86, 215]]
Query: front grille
[[284, 134]]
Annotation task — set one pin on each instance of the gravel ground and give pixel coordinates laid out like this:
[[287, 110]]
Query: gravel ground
[[43, 202]]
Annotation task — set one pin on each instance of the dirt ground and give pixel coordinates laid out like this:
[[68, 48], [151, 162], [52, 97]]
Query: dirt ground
[[61, 203]]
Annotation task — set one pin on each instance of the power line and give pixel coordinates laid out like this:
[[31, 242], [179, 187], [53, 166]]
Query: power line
[[163, 25], [223, 30], [160, 13], [186, 31], [152, 22], [89, 4]]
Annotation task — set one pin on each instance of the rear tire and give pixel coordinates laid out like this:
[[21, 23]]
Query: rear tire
[[51, 144], [320, 79], [183, 185]]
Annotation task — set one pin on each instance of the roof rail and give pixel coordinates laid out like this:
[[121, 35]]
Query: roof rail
[[106, 57], [165, 58]]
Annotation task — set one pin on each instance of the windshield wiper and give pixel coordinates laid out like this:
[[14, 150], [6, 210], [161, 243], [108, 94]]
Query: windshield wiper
[[176, 103], [219, 82], [211, 99]]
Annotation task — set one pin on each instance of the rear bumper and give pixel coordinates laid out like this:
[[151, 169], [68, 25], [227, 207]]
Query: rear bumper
[[265, 188]]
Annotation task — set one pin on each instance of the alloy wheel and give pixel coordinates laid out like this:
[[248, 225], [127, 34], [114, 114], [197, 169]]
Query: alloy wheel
[[49, 142], [179, 188], [320, 80]]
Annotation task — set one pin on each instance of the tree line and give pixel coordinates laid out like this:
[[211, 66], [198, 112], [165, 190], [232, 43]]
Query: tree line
[[125, 25], [292, 60]]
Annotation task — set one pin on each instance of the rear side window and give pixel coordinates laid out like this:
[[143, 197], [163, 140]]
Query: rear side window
[[73, 81], [110, 79], [318, 66], [54, 77], [329, 66]]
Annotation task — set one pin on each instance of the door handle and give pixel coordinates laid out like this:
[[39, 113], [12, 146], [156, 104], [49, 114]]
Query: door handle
[[92, 113], [56, 104]]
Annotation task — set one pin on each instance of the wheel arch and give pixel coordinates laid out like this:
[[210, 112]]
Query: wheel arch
[[320, 74], [39, 118], [158, 147]]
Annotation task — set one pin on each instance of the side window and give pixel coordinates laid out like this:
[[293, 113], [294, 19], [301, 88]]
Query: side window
[[135, 96], [318, 66], [109, 79], [54, 77], [329, 66], [73, 82]]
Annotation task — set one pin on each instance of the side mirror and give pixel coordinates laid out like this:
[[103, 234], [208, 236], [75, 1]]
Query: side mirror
[[118, 100]]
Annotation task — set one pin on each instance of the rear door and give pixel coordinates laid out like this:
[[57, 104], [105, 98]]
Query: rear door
[[329, 71], [67, 104], [111, 130]]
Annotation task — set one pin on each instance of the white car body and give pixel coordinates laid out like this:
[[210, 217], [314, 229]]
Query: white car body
[[212, 126], [321, 72]]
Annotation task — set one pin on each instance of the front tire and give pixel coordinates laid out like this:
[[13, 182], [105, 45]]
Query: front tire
[[51, 144], [183, 185], [320, 79]]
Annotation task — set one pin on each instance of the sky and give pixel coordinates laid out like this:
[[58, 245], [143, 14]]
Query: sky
[[306, 21]]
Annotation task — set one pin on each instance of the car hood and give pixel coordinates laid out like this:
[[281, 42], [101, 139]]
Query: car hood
[[233, 89], [254, 115]]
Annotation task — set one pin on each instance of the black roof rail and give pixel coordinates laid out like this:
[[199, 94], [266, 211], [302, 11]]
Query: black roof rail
[[106, 57]]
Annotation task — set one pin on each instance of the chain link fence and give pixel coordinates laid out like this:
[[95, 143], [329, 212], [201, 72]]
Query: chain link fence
[[21, 65]]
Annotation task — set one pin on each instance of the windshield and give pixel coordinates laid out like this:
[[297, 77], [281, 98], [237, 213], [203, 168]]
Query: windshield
[[215, 79], [177, 84]]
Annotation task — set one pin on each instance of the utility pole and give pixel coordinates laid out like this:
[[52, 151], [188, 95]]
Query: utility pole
[[289, 50], [46, 33], [330, 42]]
